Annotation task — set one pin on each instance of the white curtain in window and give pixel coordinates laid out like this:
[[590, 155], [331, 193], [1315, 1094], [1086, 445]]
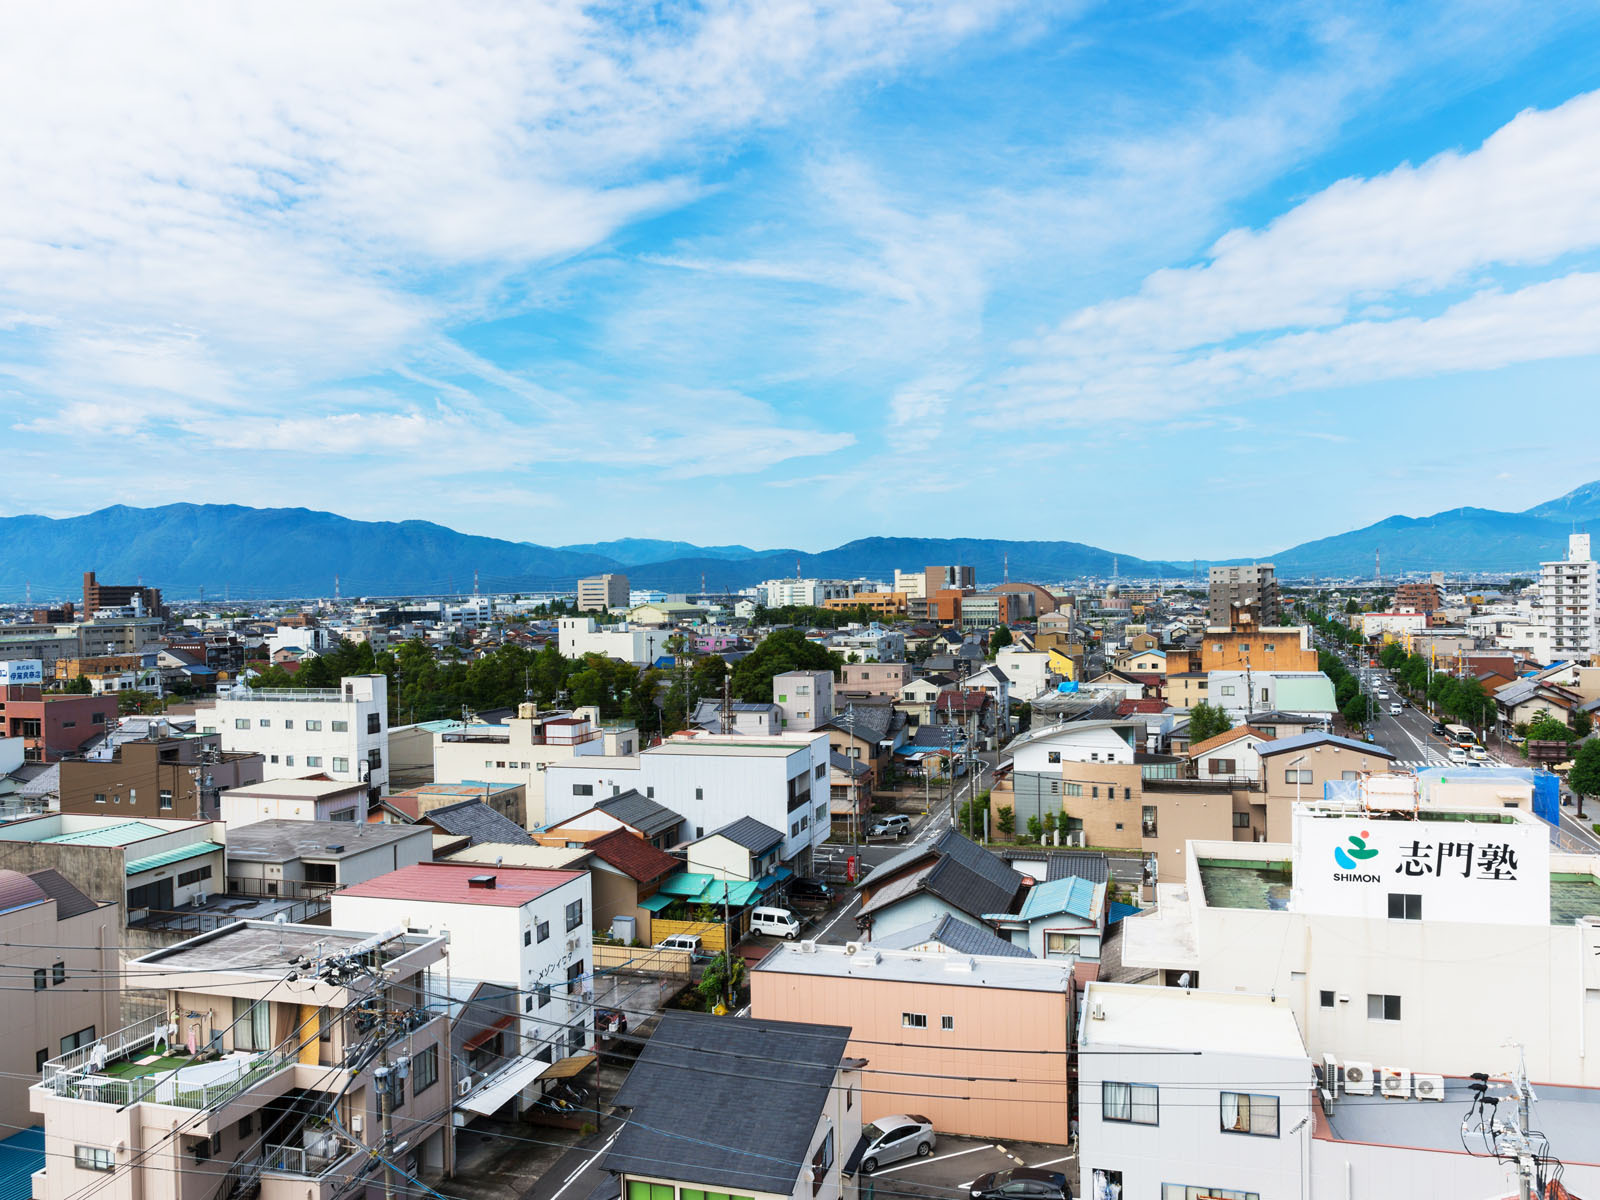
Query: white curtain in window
[[1145, 1104], [1235, 1112], [1116, 1102]]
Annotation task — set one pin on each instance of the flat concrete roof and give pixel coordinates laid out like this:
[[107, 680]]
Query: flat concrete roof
[[281, 841], [1162, 937], [249, 946], [1164, 1018], [1005, 972], [297, 789], [727, 750]]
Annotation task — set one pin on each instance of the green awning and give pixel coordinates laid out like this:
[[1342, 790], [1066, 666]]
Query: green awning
[[686, 884], [657, 902], [167, 858]]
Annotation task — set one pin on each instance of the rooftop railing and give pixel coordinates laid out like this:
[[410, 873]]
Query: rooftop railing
[[228, 692], [120, 1044]]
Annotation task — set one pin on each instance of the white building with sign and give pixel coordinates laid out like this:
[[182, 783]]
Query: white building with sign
[[1404, 935], [22, 672]]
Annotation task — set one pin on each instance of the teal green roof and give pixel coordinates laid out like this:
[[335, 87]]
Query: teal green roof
[[685, 884], [699, 888], [171, 856], [1070, 895], [657, 902], [109, 835]]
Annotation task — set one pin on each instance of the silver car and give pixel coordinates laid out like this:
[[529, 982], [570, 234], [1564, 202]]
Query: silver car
[[889, 1139]]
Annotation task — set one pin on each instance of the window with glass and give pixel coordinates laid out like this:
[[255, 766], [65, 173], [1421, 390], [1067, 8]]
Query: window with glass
[[374, 722], [164, 797], [424, 1070], [1148, 823], [1134, 1103], [1300, 776], [313, 726], [77, 1041], [913, 1020], [1405, 906], [58, 974], [250, 1024], [341, 764], [1246, 1113], [821, 1162], [542, 931], [339, 726], [39, 980], [1180, 1191], [93, 1158], [313, 760], [1383, 1008], [574, 915], [1326, 998], [241, 722]]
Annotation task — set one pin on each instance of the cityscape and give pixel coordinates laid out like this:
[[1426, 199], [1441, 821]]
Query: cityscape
[[916, 600]]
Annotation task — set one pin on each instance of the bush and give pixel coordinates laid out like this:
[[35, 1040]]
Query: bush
[[1006, 818], [1035, 828]]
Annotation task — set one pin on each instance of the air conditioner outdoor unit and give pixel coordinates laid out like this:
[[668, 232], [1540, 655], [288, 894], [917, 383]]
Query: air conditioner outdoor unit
[[1357, 1078], [1429, 1087], [1395, 1083], [852, 947], [572, 944], [1330, 1074], [463, 1087]]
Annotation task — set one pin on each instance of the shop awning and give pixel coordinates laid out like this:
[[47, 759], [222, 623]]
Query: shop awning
[[568, 1067], [656, 903], [500, 1088], [484, 1035]]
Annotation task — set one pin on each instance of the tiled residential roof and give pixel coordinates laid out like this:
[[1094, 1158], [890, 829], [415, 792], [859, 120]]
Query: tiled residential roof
[[633, 856], [961, 873], [1223, 738], [70, 902], [953, 934], [749, 833], [476, 820], [644, 814], [872, 723], [447, 883], [1306, 741], [750, 1124], [850, 766]]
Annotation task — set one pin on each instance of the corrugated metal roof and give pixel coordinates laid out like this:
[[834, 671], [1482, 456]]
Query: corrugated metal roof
[[168, 857], [18, 891], [70, 902], [21, 1155], [447, 883], [1074, 896], [109, 835]]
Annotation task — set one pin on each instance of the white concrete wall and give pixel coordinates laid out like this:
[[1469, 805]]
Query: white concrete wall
[[1074, 745], [276, 729]]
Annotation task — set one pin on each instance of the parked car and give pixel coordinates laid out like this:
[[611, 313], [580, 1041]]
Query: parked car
[[683, 941], [1021, 1183], [889, 1139], [774, 922], [894, 825], [810, 891]]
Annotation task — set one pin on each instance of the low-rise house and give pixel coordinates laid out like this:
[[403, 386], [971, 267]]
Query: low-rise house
[[792, 1141], [317, 798], [161, 775], [950, 876], [950, 935], [478, 823], [750, 720], [1229, 755], [743, 850], [850, 784], [1060, 919], [510, 800], [867, 733], [629, 810], [859, 681], [297, 858]]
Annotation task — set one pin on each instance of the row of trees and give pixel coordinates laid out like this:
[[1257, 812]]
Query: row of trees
[[1464, 699]]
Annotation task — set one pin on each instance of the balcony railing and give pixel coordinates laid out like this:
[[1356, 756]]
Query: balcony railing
[[227, 692], [120, 1044], [179, 1087], [320, 1158]]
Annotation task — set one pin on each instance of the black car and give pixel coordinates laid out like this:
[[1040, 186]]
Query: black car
[[1439, 730], [810, 891], [1021, 1183]]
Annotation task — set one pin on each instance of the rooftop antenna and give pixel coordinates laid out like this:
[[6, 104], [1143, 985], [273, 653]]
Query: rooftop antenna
[[474, 581], [1006, 568], [1377, 565]]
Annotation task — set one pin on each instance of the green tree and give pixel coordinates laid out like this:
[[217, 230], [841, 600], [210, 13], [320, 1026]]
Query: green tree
[[1354, 711], [1584, 778], [77, 687], [999, 639], [1049, 824], [970, 816], [1351, 607], [1006, 818], [1546, 728], [1582, 724], [721, 980], [1206, 720], [782, 650], [1035, 828]]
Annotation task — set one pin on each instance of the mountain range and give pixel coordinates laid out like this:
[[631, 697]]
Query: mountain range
[[233, 550]]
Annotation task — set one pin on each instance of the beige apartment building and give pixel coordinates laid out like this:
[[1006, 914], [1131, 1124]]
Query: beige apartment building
[[1295, 768], [64, 946], [600, 593]]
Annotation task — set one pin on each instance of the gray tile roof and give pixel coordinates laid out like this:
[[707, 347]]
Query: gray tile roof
[[281, 841], [759, 1088], [749, 833], [644, 814], [70, 902], [964, 875], [871, 723], [1062, 864], [953, 934], [1305, 741], [476, 820]]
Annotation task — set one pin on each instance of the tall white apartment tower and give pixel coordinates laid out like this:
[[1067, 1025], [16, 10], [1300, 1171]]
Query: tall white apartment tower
[[1569, 601], [341, 732]]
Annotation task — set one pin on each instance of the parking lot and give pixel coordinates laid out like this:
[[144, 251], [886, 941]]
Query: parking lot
[[949, 1171]]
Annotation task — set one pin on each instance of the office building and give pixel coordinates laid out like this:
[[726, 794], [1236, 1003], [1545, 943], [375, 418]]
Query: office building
[[1244, 595], [340, 732], [601, 593]]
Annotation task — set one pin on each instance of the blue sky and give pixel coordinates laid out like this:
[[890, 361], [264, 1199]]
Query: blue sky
[[1178, 280]]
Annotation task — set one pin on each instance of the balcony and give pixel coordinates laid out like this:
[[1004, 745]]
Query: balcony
[[322, 1151]]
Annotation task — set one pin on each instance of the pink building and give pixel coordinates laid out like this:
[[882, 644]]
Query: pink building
[[873, 679], [948, 1026]]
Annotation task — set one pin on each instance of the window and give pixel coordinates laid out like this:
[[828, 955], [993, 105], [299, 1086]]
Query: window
[[264, 722], [1147, 821], [575, 977], [1061, 945], [38, 980], [1072, 789], [527, 1004], [583, 789], [1053, 756], [313, 760], [1300, 776], [1136, 1103], [274, 758], [241, 722], [821, 770], [947, 1023], [99, 718], [164, 798], [1223, 766], [247, 1125], [194, 876], [543, 930], [58, 974], [1094, 756], [1269, 647], [913, 1020], [93, 1158], [341, 764], [374, 722], [543, 993], [1227, 689], [1244, 1113], [288, 760], [313, 726], [424, 1070], [288, 724], [1241, 820], [527, 937], [374, 759], [574, 915], [339, 726], [1383, 1008], [76, 1041], [1094, 791], [250, 1024], [638, 1190], [1179, 1191], [1350, 775], [1404, 906], [821, 1161], [699, 793], [649, 793], [1326, 998], [1127, 793]]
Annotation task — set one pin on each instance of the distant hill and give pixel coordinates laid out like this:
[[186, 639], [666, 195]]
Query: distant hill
[[633, 551], [1580, 504]]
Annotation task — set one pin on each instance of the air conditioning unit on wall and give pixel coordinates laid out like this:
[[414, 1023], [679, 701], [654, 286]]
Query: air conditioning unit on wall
[[1357, 1078]]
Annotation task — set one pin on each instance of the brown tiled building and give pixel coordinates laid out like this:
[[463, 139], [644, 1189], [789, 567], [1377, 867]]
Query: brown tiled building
[[97, 595], [180, 778]]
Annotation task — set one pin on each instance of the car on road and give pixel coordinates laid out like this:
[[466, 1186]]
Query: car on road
[[1477, 754], [810, 891], [1021, 1183], [1396, 709], [1457, 754], [1439, 730], [889, 1139], [894, 825]]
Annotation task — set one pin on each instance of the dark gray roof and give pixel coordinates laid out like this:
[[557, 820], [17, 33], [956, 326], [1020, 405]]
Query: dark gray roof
[[954, 934], [644, 814], [1063, 864], [965, 874], [758, 1088], [281, 841], [850, 766], [70, 902], [1305, 741], [749, 833], [476, 820], [871, 723]]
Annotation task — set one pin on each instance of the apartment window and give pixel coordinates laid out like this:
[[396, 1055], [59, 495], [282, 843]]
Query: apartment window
[[247, 1125], [1135, 1103], [250, 1024], [947, 1023], [699, 793], [527, 1004], [575, 978], [1094, 791], [58, 974], [1071, 789], [116, 797], [99, 797], [93, 1158], [1241, 820], [374, 759], [1383, 1008], [527, 937], [99, 718], [1300, 776], [1227, 689], [39, 980], [543, 931], [1326, 998], [313, 760], [424, 1070], [313, 726], [574, 915], [1405, 906], [1148, 823], [76, 1041], [583, 789], [1052, 756], [543, 993], [1223, 766], [821, 1162], [1094, 756], [264, 722], [288, 760], [1244, 647], [913, 1020], [1244, 1113], [274, 758], [40, 1057], [1349, 775], [374, 722], [341, 764], [289, 724], [1061, 945], [1127, 793], [1269, 647], [822, 770], [164, 798], [241, 722]]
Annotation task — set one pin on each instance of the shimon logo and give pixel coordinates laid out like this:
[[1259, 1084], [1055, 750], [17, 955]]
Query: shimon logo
[[1358, 849]]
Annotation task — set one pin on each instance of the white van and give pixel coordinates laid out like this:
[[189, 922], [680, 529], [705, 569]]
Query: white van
[[774, 922], [683, 941]]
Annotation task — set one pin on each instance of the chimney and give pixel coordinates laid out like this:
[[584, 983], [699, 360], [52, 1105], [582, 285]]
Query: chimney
[[480, 881]]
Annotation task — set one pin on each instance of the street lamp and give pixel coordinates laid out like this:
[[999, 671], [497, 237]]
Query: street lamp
[[1294, 762]]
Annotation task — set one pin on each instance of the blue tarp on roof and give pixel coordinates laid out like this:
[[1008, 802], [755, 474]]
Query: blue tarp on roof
[[1116, 910], [21, 1155], [1547, 797]]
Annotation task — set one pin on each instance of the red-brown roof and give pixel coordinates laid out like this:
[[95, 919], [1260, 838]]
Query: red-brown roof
[[632, 855], [1126, 708], [446, 883], [1226, 736]]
